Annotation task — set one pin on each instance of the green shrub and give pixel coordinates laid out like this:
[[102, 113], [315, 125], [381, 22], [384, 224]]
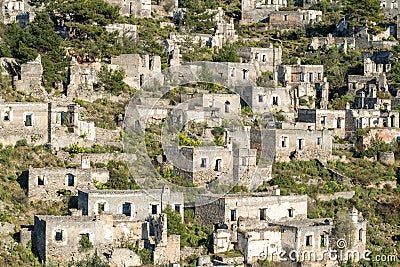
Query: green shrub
[[75, 148], [21, 142], [84, 243]]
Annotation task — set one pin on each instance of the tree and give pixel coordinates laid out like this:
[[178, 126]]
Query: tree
[[94, 261], [112, 80], [226, 54], [85, 243], [363, 11], [38, 38], [174, 222]]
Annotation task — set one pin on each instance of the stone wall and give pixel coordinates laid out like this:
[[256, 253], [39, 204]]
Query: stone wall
[[370, 118], [82, 79], [16, 11], [124, 30], [136, 8], [94, 157], [217, 209], [305, 144], [57, 237], [138, 69], [52, 183], [258, 10], [285, 20], [122, 257], [30, 79], [329, 197], [386, 158], [135, 204], [324, 119], [264, 59]]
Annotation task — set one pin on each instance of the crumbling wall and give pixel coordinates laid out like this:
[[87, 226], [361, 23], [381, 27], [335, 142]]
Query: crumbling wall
[[138, 69], [82, 78], [30, 79]]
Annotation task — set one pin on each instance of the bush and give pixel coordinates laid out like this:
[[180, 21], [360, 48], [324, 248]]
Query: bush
[[94, 261], [21, 142], [75, 148], [187, 141], [145, 255], [84, 243]]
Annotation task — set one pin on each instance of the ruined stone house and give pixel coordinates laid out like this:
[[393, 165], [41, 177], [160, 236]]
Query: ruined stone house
[[210, 108], [376, 63], [16, 11], [371, 118], [368, 84], [309, 238], [135, 204], [269, 226], [306, 84], [364, 39], [202, 165], [123, 30], [64, 238], [389, 7], [287, 20], [228, 74], [343, 43], [267, 99], [43, 123], [233, 163], [299, 140], [135, 8], [258, 10], [224, 32], [264, 59], [302, 141], [333, 120], [225, 210], [53, 183], [30, 79], [82, 80], [306, 3], [138, 69]]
